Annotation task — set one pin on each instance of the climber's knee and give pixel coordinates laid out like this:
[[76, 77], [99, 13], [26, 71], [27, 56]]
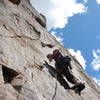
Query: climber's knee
[[76, 81]]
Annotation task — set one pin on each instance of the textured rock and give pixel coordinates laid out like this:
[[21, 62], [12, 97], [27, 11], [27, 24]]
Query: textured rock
[[22, 74]]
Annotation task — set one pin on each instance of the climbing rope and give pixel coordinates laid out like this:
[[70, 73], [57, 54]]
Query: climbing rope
[[55, 89]]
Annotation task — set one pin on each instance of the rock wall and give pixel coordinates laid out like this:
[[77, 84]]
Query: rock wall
[[22, 74]]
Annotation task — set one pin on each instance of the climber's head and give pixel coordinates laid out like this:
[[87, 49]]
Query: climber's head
[[55, 52], [50, 57]]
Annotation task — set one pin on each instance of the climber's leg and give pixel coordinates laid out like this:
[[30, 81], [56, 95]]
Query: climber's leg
[[71, 78], [62, 81], [78, 86]]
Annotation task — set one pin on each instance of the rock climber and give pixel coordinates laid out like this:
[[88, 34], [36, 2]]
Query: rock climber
[[63, 66]]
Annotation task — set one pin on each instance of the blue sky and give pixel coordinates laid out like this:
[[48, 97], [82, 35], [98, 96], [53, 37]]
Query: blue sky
[[77, 27]]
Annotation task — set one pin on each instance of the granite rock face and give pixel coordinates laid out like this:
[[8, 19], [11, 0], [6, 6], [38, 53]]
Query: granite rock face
[[22, 73]]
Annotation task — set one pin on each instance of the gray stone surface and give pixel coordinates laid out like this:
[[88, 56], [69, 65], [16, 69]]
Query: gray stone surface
[[21, 50]]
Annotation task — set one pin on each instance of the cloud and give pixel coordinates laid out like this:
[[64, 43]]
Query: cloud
[[57, 12], [58, 38], [97, 81], [98, 1], [85, 1], [78, 55], [96, 61], [98, 37]]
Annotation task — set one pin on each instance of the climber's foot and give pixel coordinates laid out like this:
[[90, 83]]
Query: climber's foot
[[78, 88]]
